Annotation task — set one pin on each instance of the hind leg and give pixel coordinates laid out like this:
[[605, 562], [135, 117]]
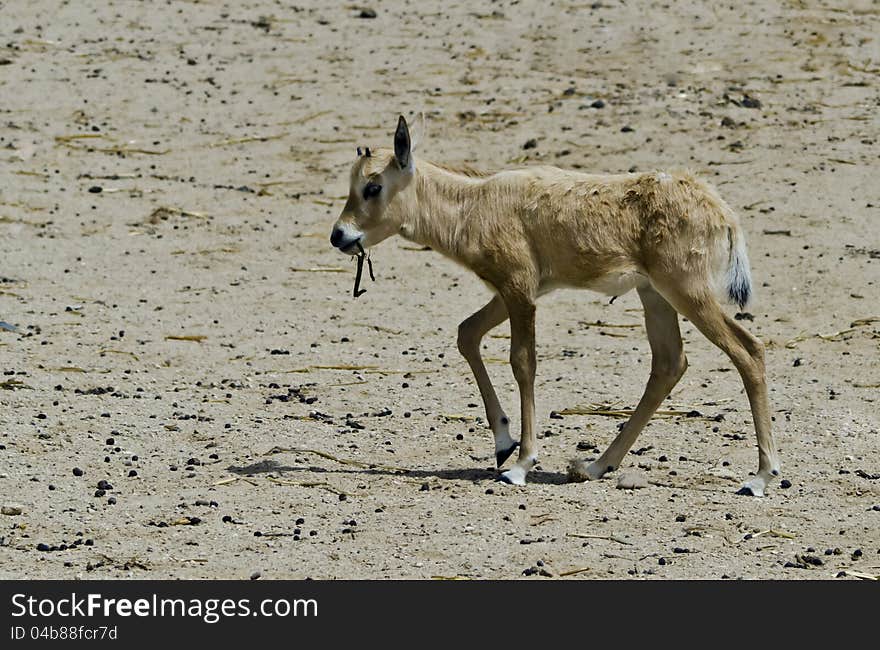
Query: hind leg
[[747, 354], [668, 364]]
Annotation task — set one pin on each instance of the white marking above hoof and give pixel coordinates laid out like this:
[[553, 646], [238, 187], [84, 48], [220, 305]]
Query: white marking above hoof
[[580, 471], [516, 475], [753, 488], [503, 455]]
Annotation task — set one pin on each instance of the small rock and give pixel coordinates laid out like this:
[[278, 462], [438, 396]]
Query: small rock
[[785, 484], [531, 143], [256, 575], [632, 480], [77, 471], [598, 104], [11, 510], [367, 13]]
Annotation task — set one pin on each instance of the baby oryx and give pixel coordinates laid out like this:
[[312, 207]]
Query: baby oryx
[[528, 231]]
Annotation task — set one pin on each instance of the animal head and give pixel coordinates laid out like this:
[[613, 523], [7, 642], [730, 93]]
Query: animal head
[[376, 181]]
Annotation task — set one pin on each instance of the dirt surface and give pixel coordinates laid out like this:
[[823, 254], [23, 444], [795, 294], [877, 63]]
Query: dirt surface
[[173, 169]]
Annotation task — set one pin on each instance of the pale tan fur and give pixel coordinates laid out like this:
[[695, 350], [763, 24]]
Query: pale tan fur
[[528, 231]]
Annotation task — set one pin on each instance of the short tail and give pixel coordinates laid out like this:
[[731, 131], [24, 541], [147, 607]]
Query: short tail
[[738, 276]]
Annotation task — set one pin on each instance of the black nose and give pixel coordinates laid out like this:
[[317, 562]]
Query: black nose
[[336, 236]]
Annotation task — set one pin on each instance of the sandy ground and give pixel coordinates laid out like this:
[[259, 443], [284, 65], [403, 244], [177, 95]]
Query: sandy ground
[[173, 170]]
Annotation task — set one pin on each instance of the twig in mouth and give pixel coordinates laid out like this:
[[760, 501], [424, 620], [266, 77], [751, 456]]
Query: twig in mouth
[[357, 292]]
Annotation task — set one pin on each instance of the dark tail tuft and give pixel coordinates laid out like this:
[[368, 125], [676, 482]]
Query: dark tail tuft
[[739, 277]]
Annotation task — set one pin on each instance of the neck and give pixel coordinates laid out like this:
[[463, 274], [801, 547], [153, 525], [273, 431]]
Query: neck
[[435, 208]]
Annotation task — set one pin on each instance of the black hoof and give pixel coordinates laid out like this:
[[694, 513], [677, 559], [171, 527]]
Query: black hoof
[[503, 479], [745, 491], [501, 456]]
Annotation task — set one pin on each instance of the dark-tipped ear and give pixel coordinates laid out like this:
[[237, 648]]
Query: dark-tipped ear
[[402, 144]]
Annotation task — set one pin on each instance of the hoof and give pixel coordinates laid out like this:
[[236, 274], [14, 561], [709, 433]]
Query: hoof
[[753, 488], [580, 471], [516, 475], [503, 455]]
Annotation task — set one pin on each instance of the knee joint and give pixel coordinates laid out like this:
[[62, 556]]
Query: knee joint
[[671, 372], [467, 342]]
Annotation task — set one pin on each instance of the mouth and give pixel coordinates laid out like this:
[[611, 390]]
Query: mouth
[[352, 248]]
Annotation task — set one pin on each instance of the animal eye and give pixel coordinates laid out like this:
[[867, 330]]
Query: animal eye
[[371, 190]]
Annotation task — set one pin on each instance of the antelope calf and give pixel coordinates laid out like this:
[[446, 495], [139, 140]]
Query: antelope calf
[[526, 232]]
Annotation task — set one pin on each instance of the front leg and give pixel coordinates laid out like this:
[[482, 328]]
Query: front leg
[[470, 334], [522, 361]]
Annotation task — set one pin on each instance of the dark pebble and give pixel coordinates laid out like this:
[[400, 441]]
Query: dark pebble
[[300, 521], [425, 487], [111, 441], [132, 472], [785, 484], [531, 143], [104, 485], [679, 549], [598, 104], [96, 189], [226, 519], [367, 13], [627, 129], [89, 542], [100, 493], [256, 575], [343, 497], [42, 547], [680, 518], [662, 561], [490, 491], [112, 501]]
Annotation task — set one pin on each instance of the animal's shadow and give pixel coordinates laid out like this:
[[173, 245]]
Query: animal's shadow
[[472, 475]]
